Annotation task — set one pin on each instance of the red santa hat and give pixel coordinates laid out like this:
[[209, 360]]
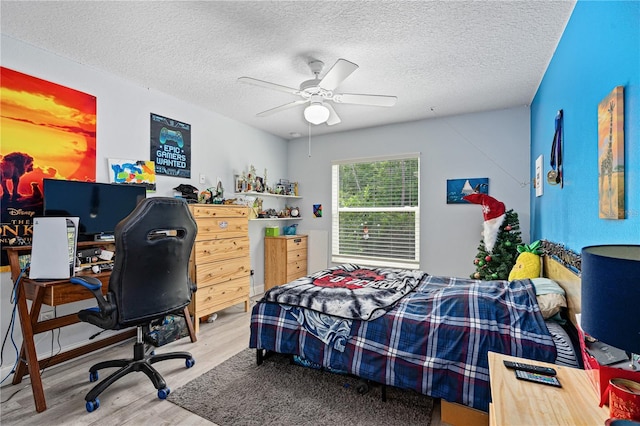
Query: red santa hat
[[494, 215]]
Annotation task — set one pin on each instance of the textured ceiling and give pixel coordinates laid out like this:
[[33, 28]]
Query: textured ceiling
[[438, 57]]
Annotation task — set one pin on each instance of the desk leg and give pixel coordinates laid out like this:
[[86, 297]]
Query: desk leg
[[187, 318], [29, 348], [36, 305]]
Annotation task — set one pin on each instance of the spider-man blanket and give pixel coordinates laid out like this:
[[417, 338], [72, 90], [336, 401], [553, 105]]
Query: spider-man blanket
[[434, 341], [348, 291]]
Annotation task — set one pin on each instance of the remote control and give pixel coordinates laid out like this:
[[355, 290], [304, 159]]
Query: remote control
[[547, 371], [538, 378]]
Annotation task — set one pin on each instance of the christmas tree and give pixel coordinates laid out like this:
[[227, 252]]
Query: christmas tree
[[497, 263]]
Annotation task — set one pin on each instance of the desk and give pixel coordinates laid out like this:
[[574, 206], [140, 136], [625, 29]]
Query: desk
[[54, 293], [518, 402]]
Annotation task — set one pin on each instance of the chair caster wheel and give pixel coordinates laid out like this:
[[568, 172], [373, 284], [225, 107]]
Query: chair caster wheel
[[163, 393], [92, 405], [190, 362], [93, 376]]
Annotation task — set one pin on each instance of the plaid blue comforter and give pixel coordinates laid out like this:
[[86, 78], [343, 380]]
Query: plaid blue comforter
[[434, 341]]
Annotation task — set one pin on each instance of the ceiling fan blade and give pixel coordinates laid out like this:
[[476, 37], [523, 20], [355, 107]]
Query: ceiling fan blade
[[337, 74], [333, 116], [273, 86], [281, 108], [374, 100]]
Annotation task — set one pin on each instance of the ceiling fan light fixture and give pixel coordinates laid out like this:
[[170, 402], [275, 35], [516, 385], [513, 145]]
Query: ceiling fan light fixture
[[316, 113]]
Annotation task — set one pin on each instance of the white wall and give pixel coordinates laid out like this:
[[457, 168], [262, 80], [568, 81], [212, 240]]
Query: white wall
[[491, 144], [221, 148]]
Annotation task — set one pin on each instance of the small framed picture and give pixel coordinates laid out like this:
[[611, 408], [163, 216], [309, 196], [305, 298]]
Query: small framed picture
[[259, 184], [239, 183]]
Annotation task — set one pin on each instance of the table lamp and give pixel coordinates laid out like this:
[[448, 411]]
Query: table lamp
[[611, 295]]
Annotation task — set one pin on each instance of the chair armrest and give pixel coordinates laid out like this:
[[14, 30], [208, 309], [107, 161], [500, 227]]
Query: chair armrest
[[94, 285]]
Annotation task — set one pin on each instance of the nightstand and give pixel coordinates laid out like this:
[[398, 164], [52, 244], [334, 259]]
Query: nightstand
[[518, 402]]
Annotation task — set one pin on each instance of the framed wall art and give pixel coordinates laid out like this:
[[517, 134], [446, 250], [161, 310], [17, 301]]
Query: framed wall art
[[458, 188]]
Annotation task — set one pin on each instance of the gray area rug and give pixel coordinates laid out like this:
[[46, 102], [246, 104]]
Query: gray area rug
[[238, 392]]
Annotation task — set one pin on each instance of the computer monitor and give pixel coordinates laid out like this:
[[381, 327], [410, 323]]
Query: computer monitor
[[100, 206]]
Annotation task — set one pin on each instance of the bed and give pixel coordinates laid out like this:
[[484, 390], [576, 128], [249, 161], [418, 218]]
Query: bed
[[413, 330]]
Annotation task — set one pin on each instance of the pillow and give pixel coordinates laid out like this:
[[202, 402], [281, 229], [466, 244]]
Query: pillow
[[550, 304], [546, 286], [550, 296], [528, 263]]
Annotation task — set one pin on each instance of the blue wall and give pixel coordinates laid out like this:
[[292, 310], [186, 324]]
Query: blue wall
[[599, 50]]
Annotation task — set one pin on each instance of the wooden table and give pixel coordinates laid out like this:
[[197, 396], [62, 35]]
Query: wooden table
[[54, 293], [518, 402]]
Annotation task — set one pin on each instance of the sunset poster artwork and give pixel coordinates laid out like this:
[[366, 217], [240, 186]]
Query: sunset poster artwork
[[47, 131]]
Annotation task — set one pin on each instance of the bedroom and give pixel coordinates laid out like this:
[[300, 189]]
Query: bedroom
[[560, 215]]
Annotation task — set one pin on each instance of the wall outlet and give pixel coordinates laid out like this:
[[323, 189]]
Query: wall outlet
[[203, 178]]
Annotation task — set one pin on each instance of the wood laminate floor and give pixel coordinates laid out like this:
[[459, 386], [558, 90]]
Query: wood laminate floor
[[132, 400]]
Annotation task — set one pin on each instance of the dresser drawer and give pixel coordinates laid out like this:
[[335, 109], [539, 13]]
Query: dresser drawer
[[218, 272], [213, 250], [217, 228], [298, 243], [295, 271], [208, 298], [295, 255], [201, 211]]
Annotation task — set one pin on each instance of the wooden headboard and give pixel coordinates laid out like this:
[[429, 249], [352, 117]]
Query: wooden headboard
[[568, 280]]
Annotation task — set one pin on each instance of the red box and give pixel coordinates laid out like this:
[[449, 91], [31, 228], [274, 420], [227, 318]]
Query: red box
[[601, 374]]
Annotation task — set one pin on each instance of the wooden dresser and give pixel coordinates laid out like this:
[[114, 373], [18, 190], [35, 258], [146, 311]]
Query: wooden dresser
[[220, 261], [285, 259]]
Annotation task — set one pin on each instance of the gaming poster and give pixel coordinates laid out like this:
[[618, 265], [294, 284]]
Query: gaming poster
[[171, 146], [47, 131]]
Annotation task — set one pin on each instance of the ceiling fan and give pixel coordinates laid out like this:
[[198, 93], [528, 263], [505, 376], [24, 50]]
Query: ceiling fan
[[318, 93]]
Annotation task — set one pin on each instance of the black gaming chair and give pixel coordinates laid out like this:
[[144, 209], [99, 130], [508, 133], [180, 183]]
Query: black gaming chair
[[150, 280]]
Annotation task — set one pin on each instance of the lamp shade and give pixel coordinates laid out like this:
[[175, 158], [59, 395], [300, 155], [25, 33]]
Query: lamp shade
[[316, 113], [611, 295]]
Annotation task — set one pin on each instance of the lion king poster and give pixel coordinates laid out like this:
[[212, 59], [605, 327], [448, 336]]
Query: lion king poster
[[47, 131]]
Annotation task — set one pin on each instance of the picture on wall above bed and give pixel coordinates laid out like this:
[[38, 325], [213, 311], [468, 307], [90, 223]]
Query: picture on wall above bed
[[611, 155], [458, 188]]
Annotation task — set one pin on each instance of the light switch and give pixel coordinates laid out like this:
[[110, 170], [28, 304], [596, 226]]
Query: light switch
[[202, 178]]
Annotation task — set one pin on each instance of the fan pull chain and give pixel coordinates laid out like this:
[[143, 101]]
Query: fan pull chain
[[309, 126]]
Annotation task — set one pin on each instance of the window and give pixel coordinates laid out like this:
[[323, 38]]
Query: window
[[376, 211]]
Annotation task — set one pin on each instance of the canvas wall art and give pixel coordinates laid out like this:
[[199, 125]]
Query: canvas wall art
[[139, 172], [611, 155], [458, 188]]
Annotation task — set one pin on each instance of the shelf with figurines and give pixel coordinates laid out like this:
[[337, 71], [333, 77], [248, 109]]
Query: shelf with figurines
[[249, 184]]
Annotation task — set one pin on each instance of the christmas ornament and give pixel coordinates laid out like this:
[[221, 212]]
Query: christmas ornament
[[481, 263], [507, 228], [475, 261], [488, 258], [494, 276], [494, 215], [476, 275], [507, 243]]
